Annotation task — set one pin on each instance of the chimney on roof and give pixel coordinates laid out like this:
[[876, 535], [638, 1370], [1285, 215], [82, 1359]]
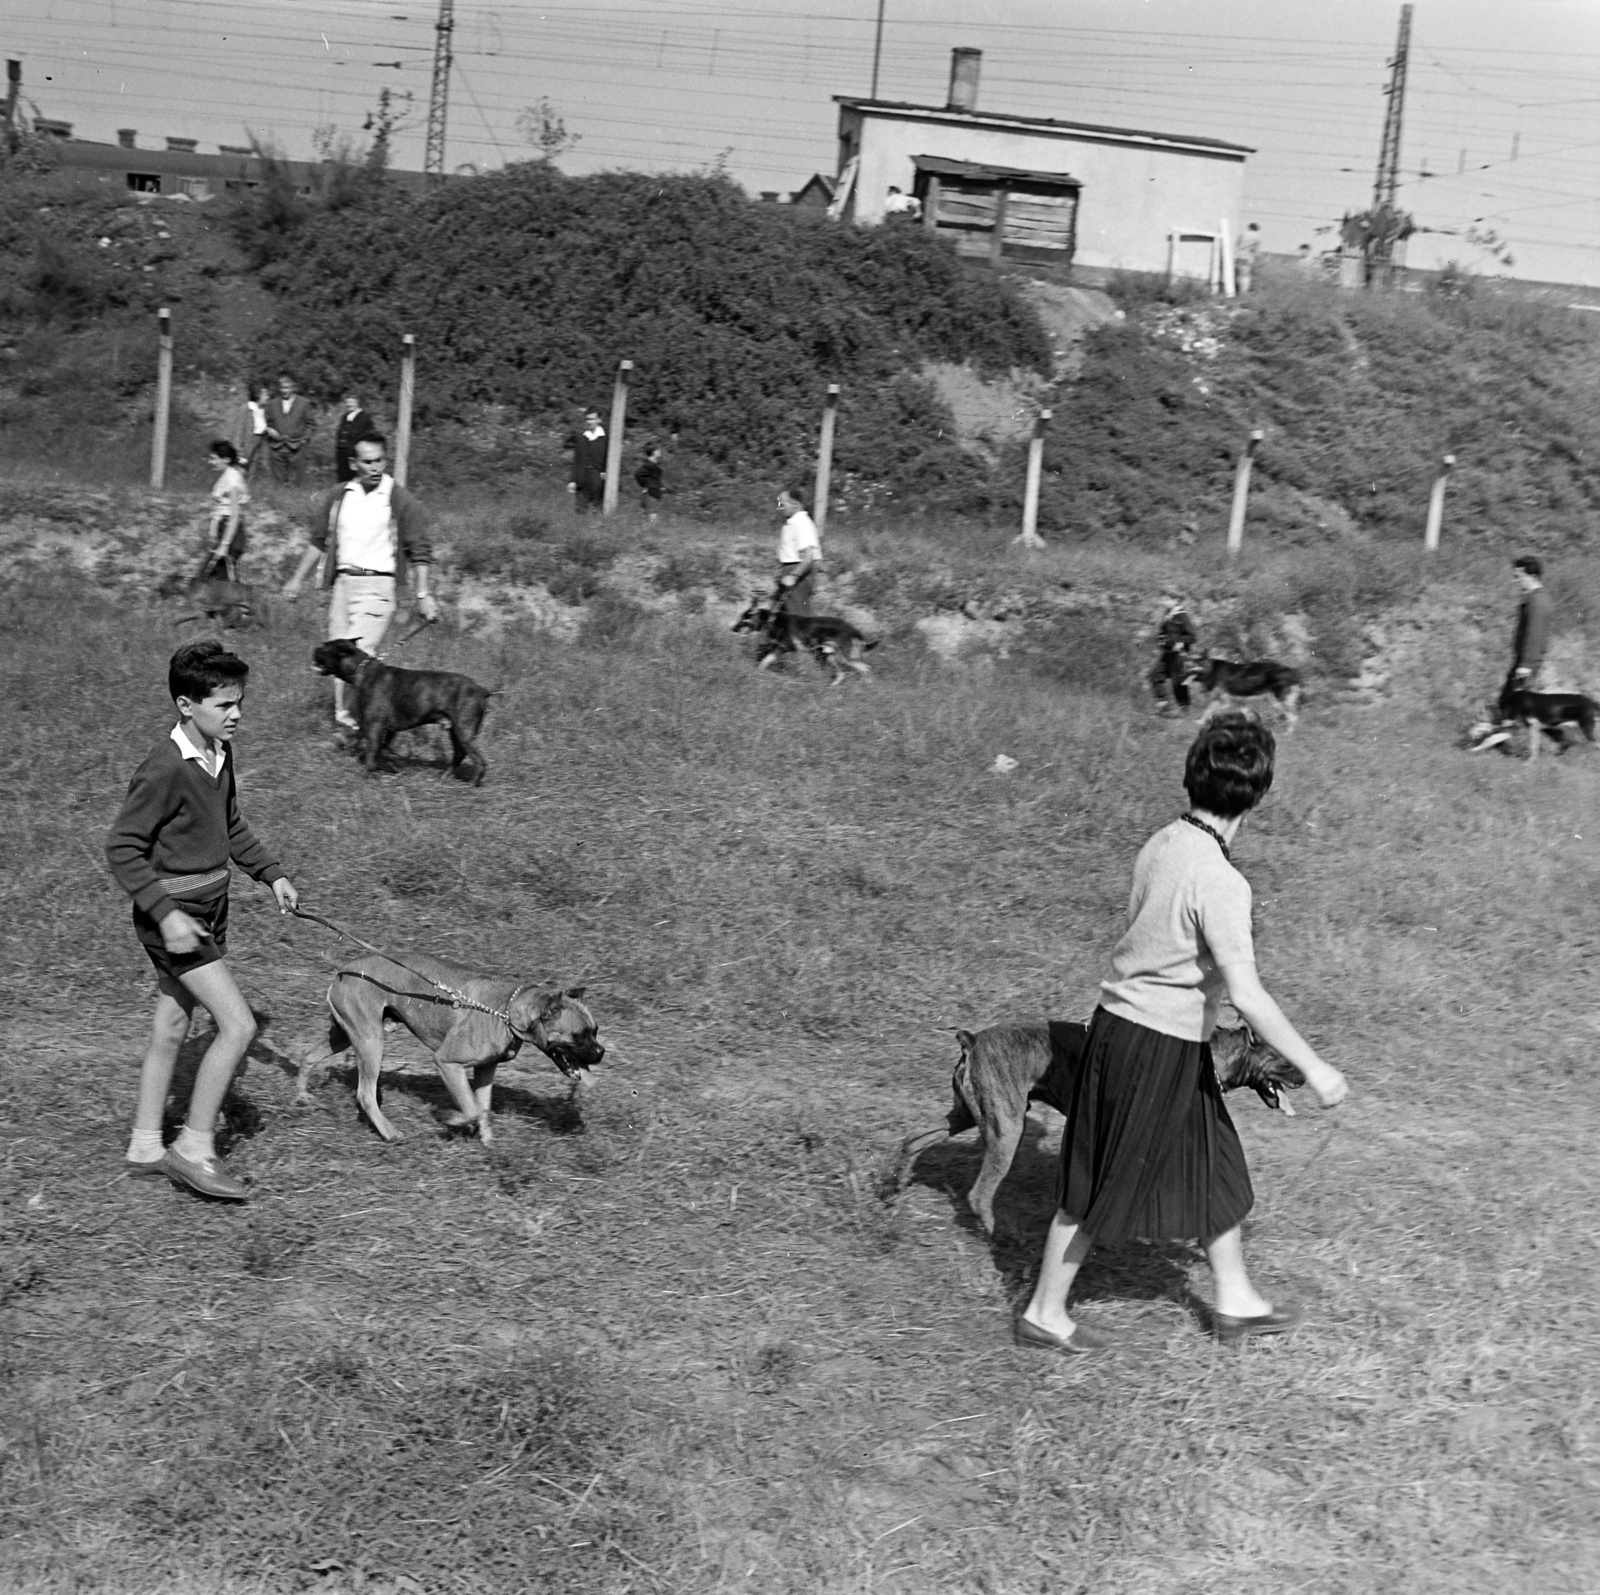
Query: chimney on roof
[[183, 146], [964, 67], [126, 137], [49, 127]]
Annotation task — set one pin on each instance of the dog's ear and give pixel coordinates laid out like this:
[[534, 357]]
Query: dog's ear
[[575, 991], [964, 1040], [551, 1004]]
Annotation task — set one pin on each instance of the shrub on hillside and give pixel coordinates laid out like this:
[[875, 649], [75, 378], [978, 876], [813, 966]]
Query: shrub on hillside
[[526, 287]]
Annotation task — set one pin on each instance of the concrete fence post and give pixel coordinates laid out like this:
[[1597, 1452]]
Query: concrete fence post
[[1030, 537], [1229, 263], [158, 442], [1241, 494], [408, 398], [619, 415], [819, 499], [1430, 538]]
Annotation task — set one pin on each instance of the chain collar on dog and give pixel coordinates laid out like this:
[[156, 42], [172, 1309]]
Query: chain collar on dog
[[456, 999], [1215, 835]]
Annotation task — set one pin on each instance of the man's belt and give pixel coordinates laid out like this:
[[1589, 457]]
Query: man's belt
[[193, 885], [354, 570]]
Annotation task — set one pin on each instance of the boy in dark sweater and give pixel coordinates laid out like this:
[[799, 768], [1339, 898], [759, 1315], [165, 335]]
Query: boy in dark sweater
[[649, 478], [169, 850]]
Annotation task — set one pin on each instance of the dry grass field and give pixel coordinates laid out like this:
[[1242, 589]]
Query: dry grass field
[[678, 1338]]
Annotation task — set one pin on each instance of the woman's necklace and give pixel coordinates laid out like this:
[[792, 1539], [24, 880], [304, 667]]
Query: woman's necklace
[[1215, 835]]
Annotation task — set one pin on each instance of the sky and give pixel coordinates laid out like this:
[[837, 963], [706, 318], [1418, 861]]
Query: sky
[[1502, 106]]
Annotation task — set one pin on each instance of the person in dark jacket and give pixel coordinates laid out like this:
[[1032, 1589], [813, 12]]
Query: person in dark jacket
[[288, 432], [1175, 637], [1532, 640], [354, 425], [649, 478], [588, 484]]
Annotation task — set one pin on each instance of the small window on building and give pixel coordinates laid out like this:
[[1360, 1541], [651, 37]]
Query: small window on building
[[195, 187], [145, 182]]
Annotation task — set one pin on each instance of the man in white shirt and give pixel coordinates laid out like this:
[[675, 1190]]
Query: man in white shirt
[[1244, 260], [366, 532], [799, 556], [900, 204]]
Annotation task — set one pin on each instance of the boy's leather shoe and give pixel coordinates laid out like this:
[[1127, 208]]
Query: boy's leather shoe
[[203, 1176], [137, 1169]]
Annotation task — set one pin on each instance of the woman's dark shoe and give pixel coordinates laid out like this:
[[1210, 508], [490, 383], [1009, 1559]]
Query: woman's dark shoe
[[1229, 1330], [1081, 1340]]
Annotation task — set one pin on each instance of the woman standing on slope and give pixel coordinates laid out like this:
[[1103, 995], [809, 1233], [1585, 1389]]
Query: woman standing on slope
[[1149, 1150], [225, 541]]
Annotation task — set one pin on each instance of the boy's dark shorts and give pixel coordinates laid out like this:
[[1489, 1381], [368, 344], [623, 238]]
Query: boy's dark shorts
[[212, 915]]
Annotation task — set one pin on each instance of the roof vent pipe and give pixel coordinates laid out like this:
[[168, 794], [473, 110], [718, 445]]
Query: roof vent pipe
[[964, 67]]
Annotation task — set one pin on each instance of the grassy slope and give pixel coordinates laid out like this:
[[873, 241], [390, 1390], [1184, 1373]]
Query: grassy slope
[[1358, 397], [690, 1348]]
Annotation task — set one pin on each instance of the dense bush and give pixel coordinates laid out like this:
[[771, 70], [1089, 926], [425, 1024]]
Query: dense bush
[[526, 288], [1359, 396]]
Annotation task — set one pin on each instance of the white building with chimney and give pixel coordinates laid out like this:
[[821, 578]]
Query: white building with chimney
[[1042, 189]]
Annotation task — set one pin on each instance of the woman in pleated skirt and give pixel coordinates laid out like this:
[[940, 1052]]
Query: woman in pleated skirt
[[1149, 1150]]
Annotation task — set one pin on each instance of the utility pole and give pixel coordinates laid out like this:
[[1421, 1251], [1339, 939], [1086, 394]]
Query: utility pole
[[439, 100], [877, 51], [13, 89], [1388, 179]]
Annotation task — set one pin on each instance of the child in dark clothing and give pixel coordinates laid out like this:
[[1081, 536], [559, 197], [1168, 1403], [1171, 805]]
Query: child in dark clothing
[[169, 850], [648, 476]]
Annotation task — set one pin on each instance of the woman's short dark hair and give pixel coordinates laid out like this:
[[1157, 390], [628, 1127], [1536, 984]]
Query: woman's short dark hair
[[1531, 563], [197, 669], [1229, 768], [224, 450]]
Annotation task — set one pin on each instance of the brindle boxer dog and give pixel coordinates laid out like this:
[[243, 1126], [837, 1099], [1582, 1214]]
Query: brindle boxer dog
[[1004, 1068], [365, 995], [385, 699]]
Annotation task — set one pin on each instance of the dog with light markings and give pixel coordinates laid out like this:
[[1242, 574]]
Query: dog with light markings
[[1231, 681]]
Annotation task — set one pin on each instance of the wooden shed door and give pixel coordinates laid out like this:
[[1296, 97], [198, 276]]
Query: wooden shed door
[[1041, 224]]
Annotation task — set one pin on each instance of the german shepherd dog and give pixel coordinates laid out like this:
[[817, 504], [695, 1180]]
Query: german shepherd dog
[[1545, 714], [835, 644], [1004, 1068], [1254, 679]]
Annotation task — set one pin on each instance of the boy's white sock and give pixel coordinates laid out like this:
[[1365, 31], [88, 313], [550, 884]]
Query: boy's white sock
[[144, 1146], [199, 1146]]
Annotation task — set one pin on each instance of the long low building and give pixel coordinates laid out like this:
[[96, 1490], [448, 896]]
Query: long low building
[[180, 168], [1035, 188]]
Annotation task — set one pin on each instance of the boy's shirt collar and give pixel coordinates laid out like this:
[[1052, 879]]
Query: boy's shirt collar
[[211, 763]]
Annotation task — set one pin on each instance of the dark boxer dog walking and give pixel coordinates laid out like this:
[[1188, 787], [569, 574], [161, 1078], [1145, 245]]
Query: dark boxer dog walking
[[386, 699]]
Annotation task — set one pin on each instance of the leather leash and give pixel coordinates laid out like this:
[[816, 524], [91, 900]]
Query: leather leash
[[420, 625], [456, 999]]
